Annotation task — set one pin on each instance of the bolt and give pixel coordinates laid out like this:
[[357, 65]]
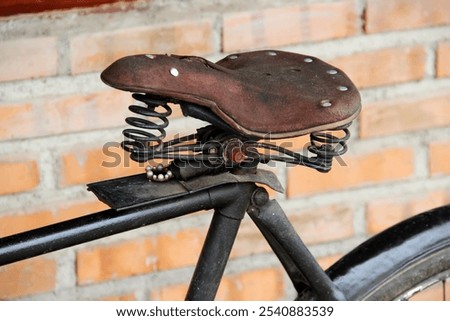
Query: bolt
[[174, 72], [307, 60], [253, 210], [237, 156], [325, 103]]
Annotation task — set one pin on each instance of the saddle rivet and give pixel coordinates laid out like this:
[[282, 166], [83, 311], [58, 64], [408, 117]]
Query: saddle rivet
[[174, 72], [325, 103], [233, 57], [151, 56], [307, 60], [342, 88], [332, 72], [271, 53]]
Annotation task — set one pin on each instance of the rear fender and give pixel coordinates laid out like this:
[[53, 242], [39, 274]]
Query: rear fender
[[391, 249]]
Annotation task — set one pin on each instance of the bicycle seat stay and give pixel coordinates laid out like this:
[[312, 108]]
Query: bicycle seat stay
[[256, 93]]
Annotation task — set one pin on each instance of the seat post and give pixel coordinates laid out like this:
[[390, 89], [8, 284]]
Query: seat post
[[218, 244]]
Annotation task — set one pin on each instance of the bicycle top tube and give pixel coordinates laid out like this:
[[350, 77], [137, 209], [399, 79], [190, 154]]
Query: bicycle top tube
[[141, 209]]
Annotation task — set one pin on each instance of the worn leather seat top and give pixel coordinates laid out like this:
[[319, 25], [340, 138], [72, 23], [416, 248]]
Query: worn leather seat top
[[256, 93]]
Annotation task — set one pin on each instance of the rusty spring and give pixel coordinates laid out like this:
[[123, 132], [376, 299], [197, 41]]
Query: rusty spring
[[141, 141], [144, 144], [325, 145]]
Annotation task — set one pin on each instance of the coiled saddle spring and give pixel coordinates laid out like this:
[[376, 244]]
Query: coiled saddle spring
[[325, 145], [209, 144], [141, 141]]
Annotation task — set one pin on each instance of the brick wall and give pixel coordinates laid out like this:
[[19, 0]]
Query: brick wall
[[56, 115]]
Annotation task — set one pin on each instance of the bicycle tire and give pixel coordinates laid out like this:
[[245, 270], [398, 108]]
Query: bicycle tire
[[396, 263]]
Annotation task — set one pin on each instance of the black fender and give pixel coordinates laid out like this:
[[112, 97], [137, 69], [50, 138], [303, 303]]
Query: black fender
[[359, 272]]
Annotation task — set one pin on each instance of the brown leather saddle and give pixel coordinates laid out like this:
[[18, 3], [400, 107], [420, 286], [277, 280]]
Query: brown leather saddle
[[255, 93]]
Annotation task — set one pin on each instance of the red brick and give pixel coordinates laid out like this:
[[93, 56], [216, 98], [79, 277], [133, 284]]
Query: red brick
[[314, 226], [28, 58], [175, 292], [405, 114], [386, 15], [288, 25], [16, 121], [384, 66], [18, 176], [179, 249], [249, 241], [123, 297], [324, 224], [72, 210], [11, 224], [27, 277], [164, 252], [261, 285], [81, 166], [327, 261], [95, 51], [114, 261], [65, 114], [19, 222], [258, 285], [443, 59], [433, 293], [387, 165], [439, 155], [381, 214]]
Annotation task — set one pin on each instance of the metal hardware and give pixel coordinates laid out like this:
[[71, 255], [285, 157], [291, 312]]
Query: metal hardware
[[233, 151], [142, 143], [213, 150], [174, 72], [260, 197], [133, 191], [325, 103], [327, 145], [158, 173]]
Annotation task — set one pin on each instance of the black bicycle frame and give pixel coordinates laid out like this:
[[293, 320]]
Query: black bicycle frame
[[230, 201]]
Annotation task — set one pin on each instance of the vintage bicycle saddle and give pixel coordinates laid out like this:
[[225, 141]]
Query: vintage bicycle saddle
[[255, 93]]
